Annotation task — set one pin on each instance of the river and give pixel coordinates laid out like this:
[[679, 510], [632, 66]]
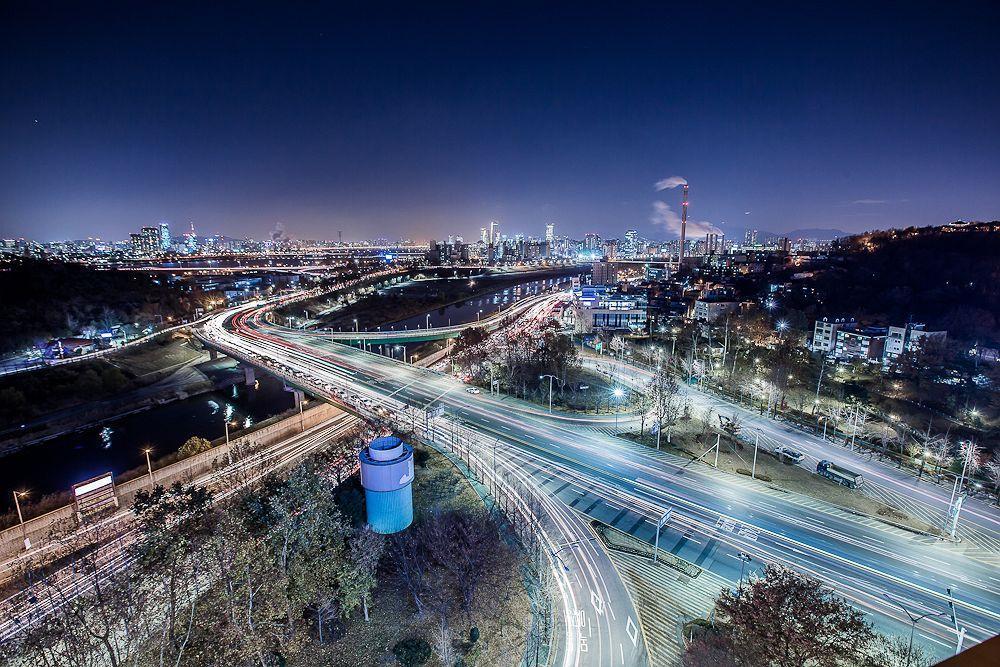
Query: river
[[56, 464]]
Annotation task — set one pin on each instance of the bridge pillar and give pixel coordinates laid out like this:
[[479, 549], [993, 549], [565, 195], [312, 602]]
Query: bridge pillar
[[249, 375], [298, 394]]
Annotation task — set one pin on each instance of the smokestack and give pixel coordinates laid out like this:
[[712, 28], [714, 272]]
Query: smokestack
[[684, 222]]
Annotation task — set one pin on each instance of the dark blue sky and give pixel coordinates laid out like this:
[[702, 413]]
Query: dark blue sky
[[394, 121]]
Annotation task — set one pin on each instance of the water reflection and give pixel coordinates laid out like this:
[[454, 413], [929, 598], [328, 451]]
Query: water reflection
[[57, 464]]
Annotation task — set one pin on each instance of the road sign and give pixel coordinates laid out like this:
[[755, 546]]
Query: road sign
[[436, 411], [94, 495]]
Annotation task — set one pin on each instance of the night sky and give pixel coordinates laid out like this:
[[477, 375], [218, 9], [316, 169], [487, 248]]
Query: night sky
[[423, 122]]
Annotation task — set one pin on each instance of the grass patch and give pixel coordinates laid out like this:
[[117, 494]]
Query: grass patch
[[616, 540]]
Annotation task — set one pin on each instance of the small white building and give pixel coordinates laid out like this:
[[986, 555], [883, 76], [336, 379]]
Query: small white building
[[909, 338]]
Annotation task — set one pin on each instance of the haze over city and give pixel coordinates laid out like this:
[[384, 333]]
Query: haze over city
[[434, 121]]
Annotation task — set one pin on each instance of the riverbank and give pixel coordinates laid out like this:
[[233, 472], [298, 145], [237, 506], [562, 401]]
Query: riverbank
[[53, 402]]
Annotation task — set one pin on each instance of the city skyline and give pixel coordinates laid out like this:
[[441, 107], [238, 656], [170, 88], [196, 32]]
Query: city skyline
[[430, 124]]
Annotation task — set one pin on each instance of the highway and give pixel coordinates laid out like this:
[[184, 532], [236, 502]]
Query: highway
[[606, 478]]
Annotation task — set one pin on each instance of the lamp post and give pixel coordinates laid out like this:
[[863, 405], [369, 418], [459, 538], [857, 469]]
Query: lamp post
[[913, 623], [744, 559], [149, 465], [551, 378], [229, 451], [819, 382], [20, 518], [617, 393]]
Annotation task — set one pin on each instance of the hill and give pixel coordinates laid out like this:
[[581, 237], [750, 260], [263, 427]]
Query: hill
[[948, 277], [43, 299]]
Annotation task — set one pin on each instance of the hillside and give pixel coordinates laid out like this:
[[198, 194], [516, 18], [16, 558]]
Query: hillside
[[41, 299], [948, 277]]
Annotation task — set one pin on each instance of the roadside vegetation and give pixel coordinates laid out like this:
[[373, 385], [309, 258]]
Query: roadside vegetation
[[784, 619], [26, 396], [287, 573]]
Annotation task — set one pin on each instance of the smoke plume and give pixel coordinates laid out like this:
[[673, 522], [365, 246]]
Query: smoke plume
[[670, 183], [665, 216]]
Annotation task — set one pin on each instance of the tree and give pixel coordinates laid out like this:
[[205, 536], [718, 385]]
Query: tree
[[412, 652], [992, 470], [174, 524], [357, 577], [194, 445], [666, 400], [784, 619], [897, 652]]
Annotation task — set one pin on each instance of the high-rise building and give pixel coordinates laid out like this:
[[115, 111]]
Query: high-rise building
[[484, 235], [494, 232], [631, 245], [604, 273], [592, 243], [191, 240], [146, 242], [550, 233], [165, 240]]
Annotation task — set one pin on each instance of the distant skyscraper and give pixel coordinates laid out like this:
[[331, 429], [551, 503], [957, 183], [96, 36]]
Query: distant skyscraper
[[191, 240], [550, 233], [631, 243], [484, 235], [165, 240], [592, 243], [146, 242], [494, 232]]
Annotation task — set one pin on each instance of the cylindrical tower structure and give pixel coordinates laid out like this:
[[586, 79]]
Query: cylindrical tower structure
[[387, 477], [684, 224]]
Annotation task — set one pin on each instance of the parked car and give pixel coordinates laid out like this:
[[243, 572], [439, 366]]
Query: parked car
[[474, 390]]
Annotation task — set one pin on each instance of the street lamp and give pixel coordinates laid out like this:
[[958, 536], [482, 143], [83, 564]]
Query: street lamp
[[659, 525], [20, 518], [617, 393], [913, 623], [149, 464], [551, 378]]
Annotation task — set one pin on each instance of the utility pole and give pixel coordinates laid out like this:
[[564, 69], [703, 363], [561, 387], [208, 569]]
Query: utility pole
[[551, 378], [753, 469], [959, 632]]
